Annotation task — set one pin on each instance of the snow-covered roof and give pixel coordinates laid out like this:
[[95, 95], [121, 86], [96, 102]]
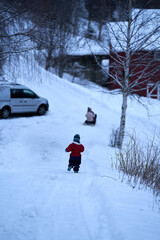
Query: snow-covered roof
[[83, 46], [144, 34]]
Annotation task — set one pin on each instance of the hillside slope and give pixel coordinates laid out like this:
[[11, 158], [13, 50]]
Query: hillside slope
[[41, 200]]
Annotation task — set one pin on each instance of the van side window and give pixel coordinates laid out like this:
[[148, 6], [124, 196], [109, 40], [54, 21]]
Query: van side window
[[28, 94], [16, 93]]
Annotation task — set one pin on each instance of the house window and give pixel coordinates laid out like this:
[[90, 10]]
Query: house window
[[157, 55]]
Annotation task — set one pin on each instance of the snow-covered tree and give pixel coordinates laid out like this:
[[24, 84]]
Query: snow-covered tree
[[130, 68], [16, 31], [57, 26]]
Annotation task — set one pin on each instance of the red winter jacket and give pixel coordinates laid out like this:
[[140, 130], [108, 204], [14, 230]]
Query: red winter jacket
[[75, 149]]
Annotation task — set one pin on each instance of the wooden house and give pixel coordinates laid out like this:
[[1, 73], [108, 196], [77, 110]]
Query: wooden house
[[144, 54], [144, 68]]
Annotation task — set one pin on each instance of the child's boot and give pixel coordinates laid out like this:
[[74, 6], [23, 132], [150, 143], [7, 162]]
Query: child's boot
[[69, 168], [76, 169]]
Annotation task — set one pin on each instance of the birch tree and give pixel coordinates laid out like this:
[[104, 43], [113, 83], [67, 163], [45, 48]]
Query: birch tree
[[131, 44]]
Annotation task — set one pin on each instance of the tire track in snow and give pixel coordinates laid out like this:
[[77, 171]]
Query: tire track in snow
[[62, 215]]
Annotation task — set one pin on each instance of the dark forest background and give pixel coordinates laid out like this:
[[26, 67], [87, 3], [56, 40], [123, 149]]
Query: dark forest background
[[53, 23], [94, 9]]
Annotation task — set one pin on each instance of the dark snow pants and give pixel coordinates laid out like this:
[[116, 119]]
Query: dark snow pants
[[75, 162]]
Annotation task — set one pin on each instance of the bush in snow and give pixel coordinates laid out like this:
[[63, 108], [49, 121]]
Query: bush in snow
[[114, 138], [140, 164]]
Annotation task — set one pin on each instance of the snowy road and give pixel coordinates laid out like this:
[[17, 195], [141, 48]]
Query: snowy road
[[41, 200]]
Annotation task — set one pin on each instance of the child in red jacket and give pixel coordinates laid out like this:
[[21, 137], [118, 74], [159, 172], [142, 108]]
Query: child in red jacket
[[75, 156]]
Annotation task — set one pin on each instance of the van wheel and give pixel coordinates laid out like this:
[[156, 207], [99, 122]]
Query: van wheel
[[5, 112], [41, 110]]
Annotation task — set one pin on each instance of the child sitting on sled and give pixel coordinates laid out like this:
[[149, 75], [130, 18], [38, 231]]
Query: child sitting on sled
[[91, 117], [75, 156]]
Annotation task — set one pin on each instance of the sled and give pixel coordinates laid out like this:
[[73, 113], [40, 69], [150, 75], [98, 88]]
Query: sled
[[89, 124]]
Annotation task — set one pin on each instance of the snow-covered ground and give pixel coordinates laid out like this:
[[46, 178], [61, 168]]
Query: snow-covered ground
[[40, 200]]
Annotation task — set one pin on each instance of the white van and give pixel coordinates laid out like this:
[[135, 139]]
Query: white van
[[17, 98]]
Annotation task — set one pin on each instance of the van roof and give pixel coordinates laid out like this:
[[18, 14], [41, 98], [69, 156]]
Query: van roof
[[12, 84]]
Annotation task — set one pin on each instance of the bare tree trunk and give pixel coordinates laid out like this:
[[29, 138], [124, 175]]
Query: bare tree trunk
[[60, 71], [61, 56], [122, 121], [126, 81], [101, 17], [49, 58], [100, 29]]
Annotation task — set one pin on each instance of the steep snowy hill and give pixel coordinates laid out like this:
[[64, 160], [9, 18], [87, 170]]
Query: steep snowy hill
[[41, 200]]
